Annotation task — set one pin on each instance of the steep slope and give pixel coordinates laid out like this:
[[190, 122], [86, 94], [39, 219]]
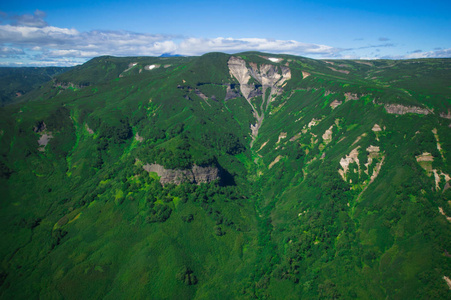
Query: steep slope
[[229, 176], [268, 78]]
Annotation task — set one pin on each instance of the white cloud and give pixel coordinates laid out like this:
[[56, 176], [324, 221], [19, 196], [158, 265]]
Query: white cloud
[[10, 52], [64, 42], [46, 36], [35, 20], [441, 53], [71, 53], [33, 34], [29, 39], [196, 46]]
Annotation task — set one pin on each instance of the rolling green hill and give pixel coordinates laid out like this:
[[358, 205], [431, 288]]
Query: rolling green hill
[[229, 177]]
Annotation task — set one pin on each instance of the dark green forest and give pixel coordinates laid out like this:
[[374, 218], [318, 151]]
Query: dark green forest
[[16, 82], [226, 177]]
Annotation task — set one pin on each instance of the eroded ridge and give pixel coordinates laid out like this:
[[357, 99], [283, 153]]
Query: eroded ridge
[[270, 79]]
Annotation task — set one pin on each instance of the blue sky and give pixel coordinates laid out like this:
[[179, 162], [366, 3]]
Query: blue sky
[[60, 33]]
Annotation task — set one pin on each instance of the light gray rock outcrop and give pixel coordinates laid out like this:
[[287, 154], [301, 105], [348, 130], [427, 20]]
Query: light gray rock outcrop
[[399, 109], [195, 175], [268, 76]]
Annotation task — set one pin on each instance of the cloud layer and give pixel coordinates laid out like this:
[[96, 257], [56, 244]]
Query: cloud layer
[[30, 40], [438, 53]]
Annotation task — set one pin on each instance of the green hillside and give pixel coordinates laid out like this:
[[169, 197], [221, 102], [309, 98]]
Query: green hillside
[[229, 177], [15, 82]]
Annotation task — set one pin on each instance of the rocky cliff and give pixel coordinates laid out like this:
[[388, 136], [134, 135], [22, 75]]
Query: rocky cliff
[[399, 109], [267, 75], [195, 175]]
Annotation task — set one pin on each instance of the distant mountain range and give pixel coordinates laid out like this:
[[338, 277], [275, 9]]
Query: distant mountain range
[[170, 55], [240, 176]]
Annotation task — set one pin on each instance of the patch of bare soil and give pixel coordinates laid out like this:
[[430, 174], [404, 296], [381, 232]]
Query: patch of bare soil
[[335, 103], [426, 156], [351, 96], [376, 128], [446, 116], [89, 130], [448, 281], [138, 138], [443, 213], [282, 135], [275, 161], [363, 62], [340, 71], [327, 136], [297, 136]]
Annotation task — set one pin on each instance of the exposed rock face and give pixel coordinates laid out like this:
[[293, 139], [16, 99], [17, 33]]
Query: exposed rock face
[[44, 140], [89, 130], [341, 71], [202, 96], [426, 156], [256, 92], [399, 109], [231, 93], [269, 78], [351, 96], [66, 85], [346, 161], [282, 135], [446, 116], [238, 69], [425, 161], [130, 66], [313, 122], [438, 178], [376, 128], [441, 211], [275, 161], [439, 146], [195, 175], [46, 136], [40, 127], [335, 103], [205, 174], [327, 136], [373, 153], [295, 137], [263, 145], [139, 138]]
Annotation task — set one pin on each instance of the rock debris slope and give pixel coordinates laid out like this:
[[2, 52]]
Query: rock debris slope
[[267, 76]]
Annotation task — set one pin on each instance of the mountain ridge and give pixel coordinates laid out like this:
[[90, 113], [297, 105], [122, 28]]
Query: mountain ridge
[[334, 179]]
